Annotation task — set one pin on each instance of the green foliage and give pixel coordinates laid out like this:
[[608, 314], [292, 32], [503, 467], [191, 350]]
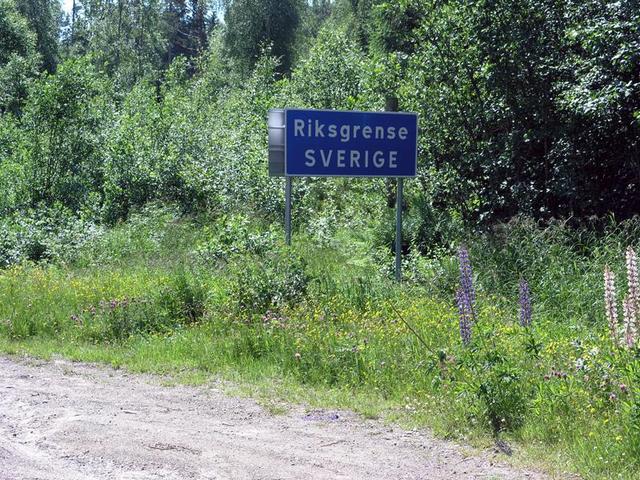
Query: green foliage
[[252, 25], [154, 235], [44, 234], [66, 120], [322, 314], [234, 236], [272, 281], [13, 179], [184, 298], [497, 86], [117, 320], [331, 75], [18, 57], [43, 17], [125, 41], [392, 25], [188, 25], [503, 397]]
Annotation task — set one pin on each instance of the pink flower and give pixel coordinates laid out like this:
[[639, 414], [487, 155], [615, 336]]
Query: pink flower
[[632, 277], [610, 303], [630, 318]]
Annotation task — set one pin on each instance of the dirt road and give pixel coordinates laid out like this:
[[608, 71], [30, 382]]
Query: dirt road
[[67, 421]]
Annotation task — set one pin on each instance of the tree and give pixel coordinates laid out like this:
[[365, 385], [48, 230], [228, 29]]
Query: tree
[[18, 57], [188, 24], [527, 107], [44, 18], [252, 25], [66, 120], [125, 38]]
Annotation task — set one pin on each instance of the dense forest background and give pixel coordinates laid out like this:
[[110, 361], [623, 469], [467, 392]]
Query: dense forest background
[[527, 107]]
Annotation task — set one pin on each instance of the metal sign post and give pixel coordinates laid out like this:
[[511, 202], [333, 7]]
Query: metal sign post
[[328, 143], [391, 105], [399, 229], [287, 210]]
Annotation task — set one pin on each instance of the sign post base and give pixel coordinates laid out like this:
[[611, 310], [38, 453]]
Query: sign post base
[[287, 210], [399, 194]]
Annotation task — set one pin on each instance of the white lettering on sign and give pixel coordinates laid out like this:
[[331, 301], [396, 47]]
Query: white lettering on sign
[[393, 159], [326, 158], [346, 133], [352, 158], [311, 159], [355, 158]]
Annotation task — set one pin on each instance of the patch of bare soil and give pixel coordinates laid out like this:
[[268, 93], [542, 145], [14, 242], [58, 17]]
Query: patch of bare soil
[[66, 421]]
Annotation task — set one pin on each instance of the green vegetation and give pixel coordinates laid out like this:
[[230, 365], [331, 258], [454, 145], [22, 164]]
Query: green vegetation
[[139, 227], [202, 296]]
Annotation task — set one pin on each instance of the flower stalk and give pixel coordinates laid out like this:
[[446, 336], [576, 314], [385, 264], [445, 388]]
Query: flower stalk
[[525, 304], [611, 309]]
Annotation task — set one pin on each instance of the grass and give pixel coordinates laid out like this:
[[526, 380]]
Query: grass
[[319, 324]]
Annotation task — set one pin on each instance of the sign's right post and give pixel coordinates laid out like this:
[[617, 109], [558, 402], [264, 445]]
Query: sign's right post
[[399, 229], [391, 105]]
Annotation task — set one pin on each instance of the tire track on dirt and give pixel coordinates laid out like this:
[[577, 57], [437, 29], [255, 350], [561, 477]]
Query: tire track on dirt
[[63, 420]]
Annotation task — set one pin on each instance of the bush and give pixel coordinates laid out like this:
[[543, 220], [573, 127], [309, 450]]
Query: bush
[[504, 403], [183, 299], [260, 284], [45, 234], [119, 319], [232, 236]]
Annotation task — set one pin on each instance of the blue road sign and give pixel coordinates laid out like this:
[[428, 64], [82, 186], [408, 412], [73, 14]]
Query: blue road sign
[[321, 143]]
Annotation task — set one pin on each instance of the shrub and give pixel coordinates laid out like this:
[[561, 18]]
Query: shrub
[[183, 300], [44, 234], [503, 398], [119, 319], [231, 236], [270, 282]]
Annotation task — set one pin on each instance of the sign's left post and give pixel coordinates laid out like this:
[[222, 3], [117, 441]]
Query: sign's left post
[[276, 126]]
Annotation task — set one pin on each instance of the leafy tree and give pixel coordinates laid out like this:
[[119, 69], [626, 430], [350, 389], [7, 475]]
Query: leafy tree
[[124, 38], [253, 24], [18, 57], [331, 75], [188, 23], [147, 150], [44, 18], [392, 24], [527, 106], [13, 184], [66, 120]]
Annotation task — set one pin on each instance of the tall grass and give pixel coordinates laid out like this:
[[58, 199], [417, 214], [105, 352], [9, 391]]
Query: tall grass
[[164, 294]]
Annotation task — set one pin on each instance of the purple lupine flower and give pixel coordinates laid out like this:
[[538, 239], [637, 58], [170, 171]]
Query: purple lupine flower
[[611, 308], [465, 316], [630, 316], [525, 304], [466, 280]]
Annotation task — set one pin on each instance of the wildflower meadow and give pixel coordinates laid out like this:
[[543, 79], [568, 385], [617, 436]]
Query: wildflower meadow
[[523, 343]]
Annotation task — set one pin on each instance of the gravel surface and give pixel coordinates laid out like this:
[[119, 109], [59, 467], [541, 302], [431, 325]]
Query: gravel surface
[[64, 421]]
